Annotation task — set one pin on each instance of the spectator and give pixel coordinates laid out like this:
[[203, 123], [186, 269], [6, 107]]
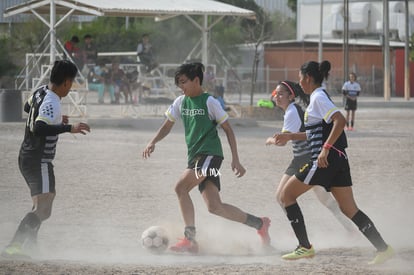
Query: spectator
[[145, 53], [73, 50], [209, 80], [99, 80], [89, 50], [351, 90], [120, 83]]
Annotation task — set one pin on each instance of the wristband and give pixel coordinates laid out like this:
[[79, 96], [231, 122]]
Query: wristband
[[327, 146]]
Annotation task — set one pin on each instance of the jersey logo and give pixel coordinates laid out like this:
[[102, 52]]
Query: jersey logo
[[192, 112], [304, 167]]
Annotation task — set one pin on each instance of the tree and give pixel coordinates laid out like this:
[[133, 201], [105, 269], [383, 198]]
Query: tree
[[255, 32]]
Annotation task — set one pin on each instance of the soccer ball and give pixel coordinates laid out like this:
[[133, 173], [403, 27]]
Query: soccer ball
[[155, 239]]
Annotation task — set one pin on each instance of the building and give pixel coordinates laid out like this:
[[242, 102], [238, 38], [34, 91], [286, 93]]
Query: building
[[365, 19]]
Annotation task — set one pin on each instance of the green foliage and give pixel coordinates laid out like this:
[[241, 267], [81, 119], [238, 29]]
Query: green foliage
[[172, 39], [7, 67]]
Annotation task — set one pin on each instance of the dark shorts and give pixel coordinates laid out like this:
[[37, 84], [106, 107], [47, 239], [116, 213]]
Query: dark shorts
[[39, 176], [337, 174], [296, 164], [207, 166], [350, 105]]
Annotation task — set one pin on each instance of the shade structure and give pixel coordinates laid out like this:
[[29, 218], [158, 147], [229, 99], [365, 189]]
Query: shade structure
[[159, 9]]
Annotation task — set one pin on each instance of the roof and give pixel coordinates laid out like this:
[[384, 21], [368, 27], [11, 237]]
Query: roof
[[136, 8], [355, 42]]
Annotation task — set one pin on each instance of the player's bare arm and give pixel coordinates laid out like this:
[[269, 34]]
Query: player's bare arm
[[339, 122], [162, 132], [236, 166]]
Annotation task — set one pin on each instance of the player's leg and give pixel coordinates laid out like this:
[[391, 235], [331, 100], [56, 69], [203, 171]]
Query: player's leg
[[347, 117], [329, 202], [353, 117], [293, 189], [41, 180], [280, 187], [345, 198], [187, 181], [211, 196]]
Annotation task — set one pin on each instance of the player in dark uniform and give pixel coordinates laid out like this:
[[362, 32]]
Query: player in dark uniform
[[329, 167], [44, 123]]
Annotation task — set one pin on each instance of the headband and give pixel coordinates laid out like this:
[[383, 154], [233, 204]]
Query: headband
[[290, 88]]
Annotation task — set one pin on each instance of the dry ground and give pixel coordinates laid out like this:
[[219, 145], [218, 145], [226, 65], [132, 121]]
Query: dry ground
[[107, 195]]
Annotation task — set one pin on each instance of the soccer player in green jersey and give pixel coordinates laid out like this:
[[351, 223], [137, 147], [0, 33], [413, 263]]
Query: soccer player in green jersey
[[201, 113]]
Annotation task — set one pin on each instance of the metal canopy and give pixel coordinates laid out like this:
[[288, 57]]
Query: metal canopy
[[159, 9]]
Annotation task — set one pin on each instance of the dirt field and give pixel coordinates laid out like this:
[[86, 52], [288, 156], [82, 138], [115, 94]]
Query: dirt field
[[107, 195]]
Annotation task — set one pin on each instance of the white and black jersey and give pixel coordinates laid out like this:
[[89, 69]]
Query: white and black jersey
[[293, 122], [351, 89], [318, 122], [43, 105]]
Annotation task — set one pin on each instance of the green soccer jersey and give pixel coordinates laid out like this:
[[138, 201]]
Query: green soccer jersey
[[200, 115]]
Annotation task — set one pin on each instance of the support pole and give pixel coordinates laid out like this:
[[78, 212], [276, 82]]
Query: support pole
[[52, 31], [386, 50], [406, 56], [346, 40], [204, 50]]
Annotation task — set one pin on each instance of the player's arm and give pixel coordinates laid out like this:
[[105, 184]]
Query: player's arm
[[41, 128], [339, 122], [236, 166], [283, 138], [162, 132]]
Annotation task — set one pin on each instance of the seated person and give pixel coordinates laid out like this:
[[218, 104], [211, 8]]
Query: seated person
[[98, 80], [120, 83]]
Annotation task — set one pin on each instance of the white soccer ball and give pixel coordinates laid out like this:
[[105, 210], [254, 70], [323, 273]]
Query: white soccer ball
[[155, 239]]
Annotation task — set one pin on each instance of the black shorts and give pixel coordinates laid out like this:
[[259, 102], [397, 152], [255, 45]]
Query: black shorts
[[350, 105], [39, 176], [296, 164], [337, 174], [207, 166]]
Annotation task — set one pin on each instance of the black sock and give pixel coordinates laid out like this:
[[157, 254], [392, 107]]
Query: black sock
[[28, 227], [190, 232], [352, 123], [295, 217], [367, 227], [254, 221]]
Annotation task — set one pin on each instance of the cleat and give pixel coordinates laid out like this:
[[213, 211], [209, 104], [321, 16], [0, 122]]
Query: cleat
[[264, 231], [299, 253], [185, 245], [14, 251], [382, 256]]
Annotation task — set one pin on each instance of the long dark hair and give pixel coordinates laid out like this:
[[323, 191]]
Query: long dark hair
[[317, 71]]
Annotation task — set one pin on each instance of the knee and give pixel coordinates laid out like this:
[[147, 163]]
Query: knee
[[286, 199], [180, 189], [214, 208], [44, 213], [278, 198]]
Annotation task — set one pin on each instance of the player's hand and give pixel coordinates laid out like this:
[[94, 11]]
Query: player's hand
[[65, 119], [148, 150], [270, 141], [238, 169], [323, 158], [281, 139], [80, 128]]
